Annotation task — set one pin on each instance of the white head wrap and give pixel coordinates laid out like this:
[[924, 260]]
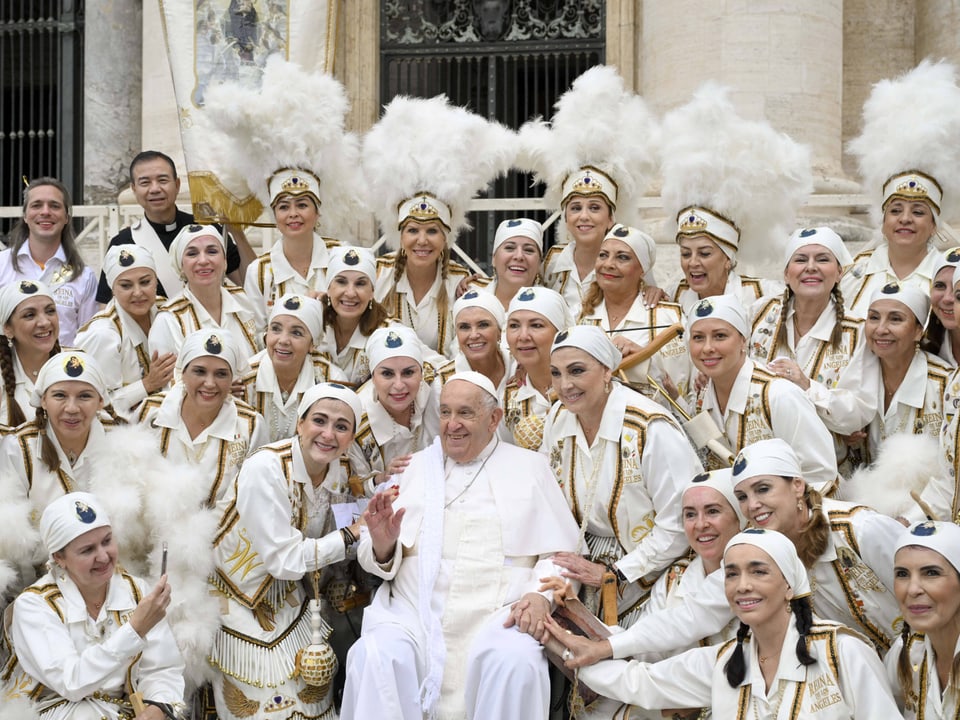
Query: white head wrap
[[823, 236], [218, 343], [18, 291], [518, 227], [478, 379], [951, 259], [941, 537], [783, 553], [543, 301], [393, 341], [484, 300], [71, 365], [306, 309], [720, 307], [358, 259], [187, 234], [70, 516], [766, 457], [335, 391], [121, 258], [910, 295], [643, 245], [591, 340], [293, 182], [693, 221], [719, 480]]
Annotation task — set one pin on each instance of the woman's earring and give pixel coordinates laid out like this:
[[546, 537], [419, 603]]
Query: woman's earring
[[370, 305]]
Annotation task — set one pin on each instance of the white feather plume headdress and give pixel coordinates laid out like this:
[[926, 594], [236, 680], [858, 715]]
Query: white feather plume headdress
[[294, 119], [427, 145], [743, 170], [598, 123], [912, 123]]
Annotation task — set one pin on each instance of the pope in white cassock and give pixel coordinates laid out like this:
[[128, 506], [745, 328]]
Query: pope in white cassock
[[452, 632]]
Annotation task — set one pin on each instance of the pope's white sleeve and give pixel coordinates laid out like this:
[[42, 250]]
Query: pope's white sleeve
[[668, 463]]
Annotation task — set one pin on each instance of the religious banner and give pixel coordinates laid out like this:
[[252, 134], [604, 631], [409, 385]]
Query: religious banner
[[213, 41]]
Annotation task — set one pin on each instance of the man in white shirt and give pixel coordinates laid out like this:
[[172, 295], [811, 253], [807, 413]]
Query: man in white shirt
[[452, 631]]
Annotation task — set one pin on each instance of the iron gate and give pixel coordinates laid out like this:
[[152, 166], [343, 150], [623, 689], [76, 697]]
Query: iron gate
[[41, 111], [508, 60]]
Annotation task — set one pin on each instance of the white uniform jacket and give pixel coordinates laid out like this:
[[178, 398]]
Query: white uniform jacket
[[271, 276], [762, 406], [120, 346], [262, 392], [746, 289], [924, 699], [524, 412], [560, 274], [871, 270], [635, 473], [847, 681], [76, 667]]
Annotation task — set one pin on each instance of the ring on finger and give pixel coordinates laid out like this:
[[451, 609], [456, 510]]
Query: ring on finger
[[566, 654]]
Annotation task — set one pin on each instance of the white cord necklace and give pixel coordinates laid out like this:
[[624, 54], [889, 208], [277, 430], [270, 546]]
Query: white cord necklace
[[473, 479]]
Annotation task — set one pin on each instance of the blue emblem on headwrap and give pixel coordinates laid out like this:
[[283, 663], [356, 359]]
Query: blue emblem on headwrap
[[213, 345], [527, 295], [350, 257], [292, 303], [73, 367], [807, 232], [393, 340], [85, 513], [924, 529], [471, 295], [513, 223], [891, 288], [704, 308], [740, 464]]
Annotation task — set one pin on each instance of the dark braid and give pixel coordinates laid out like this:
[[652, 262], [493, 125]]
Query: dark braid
[[48, 453], [736, 667], [904, 666], [803, 612], [781, 338], [933, 336], [15, 414], [109, 410], [836, 337]]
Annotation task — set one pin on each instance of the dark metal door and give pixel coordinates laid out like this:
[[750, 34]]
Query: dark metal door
[[508, 60]]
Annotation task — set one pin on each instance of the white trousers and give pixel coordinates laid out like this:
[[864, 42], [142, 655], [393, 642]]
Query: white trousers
[[506, 675]]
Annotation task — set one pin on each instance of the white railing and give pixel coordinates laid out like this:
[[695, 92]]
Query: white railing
[[105, 221]]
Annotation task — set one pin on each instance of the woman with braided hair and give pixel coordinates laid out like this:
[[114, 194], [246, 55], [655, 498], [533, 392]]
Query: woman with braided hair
[[792, 660], [31, 326], [847, 548], [924, 664]]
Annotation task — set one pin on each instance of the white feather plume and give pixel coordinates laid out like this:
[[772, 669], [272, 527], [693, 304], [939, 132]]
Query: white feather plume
[[912, 122], [294, 118], [429, 145], [744, 170], [905, 462], [596, 122]]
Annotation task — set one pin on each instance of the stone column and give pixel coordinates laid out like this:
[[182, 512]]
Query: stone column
[[938, 30], [111, 106], [782, 59]]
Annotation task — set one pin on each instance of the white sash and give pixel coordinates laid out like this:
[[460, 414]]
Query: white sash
[[145, 236]]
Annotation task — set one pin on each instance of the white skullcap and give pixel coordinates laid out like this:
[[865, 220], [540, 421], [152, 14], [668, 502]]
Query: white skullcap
[[720, 307], [18, 291], [423, 207], [542, 301], [518, 227], [910, 295], [478, 379], [294, 182], [334, 391], [358, 259], [766, 457], [591, 340], [693, 221], [911, 186], [187, 234], [306, 309], [642, 245], [121, 258], [71, 365], [721, 481], [588, 181], [783, 553], [941, 537], [951, 259], [484, 300], [70, 516], [393, 341], [218, 343], [822, 236]]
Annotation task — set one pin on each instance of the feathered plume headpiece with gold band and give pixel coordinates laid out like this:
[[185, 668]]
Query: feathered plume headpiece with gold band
[[601, 140], [910, 143], [424, 159], [288, 136], [738, 181]]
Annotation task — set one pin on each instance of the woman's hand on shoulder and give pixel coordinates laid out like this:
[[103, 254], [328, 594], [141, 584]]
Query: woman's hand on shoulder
[[652, 296]]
